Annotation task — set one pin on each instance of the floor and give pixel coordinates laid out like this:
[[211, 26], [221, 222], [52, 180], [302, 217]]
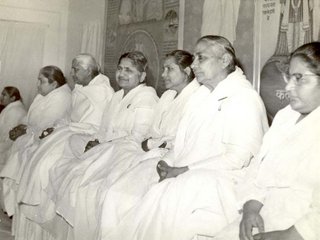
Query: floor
[[5, 227]]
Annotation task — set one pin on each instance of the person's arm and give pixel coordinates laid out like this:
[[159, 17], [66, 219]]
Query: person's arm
[[251, 218], [244, 124], [235, 157], [142, 122]]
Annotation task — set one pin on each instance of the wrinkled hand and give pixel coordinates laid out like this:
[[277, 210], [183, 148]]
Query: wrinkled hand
[[251, 218], [165, 171], [17, 131], [288, 234], [46, 132], [91, 144]]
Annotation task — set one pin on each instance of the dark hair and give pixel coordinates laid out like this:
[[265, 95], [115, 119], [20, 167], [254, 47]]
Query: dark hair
[[183, 59], [310, 54], [225, 45], [138, 59], [13, 92], [53, 73]]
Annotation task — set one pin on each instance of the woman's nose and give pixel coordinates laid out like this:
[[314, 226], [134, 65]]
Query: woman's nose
[[194, 64], [290, 85], [164, 73]]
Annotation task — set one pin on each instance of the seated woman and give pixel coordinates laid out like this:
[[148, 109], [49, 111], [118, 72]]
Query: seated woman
[[10, 117], [178, 78], [127, 115], [52, 103], [220, 132], [90, 96], [282, 198]]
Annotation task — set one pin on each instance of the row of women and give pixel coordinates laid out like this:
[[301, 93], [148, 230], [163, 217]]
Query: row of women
[[198, 163]]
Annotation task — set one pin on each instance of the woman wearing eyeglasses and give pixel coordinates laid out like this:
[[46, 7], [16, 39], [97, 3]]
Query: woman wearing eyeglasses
[[219, 134], [282, 200]]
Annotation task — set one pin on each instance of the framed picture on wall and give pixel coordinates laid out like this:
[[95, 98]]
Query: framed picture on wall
[[280, 27]]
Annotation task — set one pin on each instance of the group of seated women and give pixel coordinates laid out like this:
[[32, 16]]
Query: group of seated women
[[197, 163]]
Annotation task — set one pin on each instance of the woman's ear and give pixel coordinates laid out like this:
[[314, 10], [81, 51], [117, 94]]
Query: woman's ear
[[226, 59], [13, 99], [187, 71], [55, 84], [143, 77]]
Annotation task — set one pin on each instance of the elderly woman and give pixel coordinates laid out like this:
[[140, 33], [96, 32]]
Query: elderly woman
[[219, 134], [52, 103], [282, 198]]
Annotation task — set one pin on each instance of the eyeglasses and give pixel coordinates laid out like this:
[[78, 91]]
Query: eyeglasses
[[297, 78]]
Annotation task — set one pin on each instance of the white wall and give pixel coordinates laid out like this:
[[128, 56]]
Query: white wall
[[53, 13], [80, 13]]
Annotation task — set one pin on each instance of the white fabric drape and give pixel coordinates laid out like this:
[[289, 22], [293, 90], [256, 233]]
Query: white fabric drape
[[220, 17], [92, 40], [21, 54]]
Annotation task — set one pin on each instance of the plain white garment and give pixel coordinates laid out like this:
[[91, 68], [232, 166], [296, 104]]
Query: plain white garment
[[224, 127], [44, 112], [127, 121], [10, 117], [123, 193], [287, 181], [88, 104]]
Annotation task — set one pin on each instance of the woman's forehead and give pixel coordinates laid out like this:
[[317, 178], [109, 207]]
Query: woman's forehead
[[169, 61], [206, 47], [126, 62]]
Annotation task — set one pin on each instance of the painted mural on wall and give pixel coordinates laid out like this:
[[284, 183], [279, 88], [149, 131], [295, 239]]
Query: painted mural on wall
[[297, 22], [149, 26], [140, 10]]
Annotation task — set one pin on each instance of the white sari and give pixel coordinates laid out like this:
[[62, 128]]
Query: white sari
[[10, 117], [123, 192], [216, 139], [287, 180], [44, 112], [127, 122], [88, 103]]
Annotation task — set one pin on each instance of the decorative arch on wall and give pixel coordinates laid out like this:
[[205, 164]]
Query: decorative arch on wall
[[130, 29], [143, 41]]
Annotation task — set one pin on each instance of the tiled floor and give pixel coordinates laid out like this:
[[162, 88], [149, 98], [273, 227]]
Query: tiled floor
[[5, 227]]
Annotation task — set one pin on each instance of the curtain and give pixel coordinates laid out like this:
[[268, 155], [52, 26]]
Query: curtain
[[220, 17], [21, 56], [92, 40]]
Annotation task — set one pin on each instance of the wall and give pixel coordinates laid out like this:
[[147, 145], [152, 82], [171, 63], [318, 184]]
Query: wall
[[244, 32], [53, 15], [81, 12]]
